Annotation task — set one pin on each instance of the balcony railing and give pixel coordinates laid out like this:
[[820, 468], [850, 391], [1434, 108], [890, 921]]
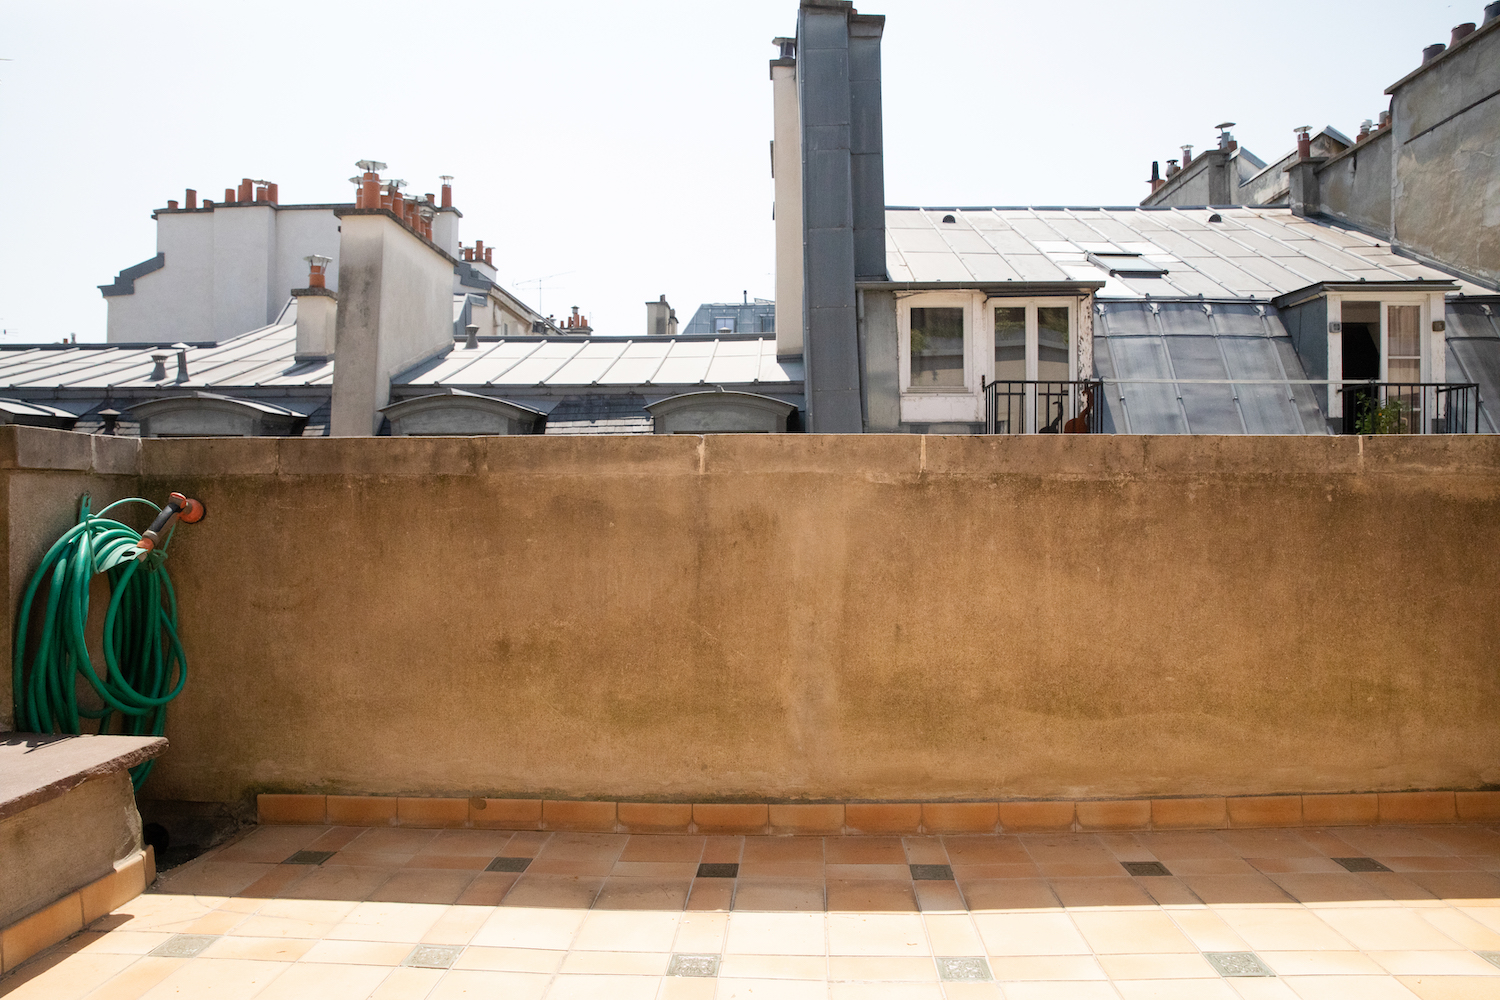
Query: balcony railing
[[1410, 407], [1044, 407]]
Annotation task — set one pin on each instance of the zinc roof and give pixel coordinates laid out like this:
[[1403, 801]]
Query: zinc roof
[[1254, 253]]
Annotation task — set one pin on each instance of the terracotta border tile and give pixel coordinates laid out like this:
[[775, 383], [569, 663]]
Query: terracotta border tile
[[1115, 814], [297, 809], [1474, 806], [432, 814], [1206, 813], [731, 817], [41, 930], [566, 814], [1418, 807], [1036, 816], [960, 817], [1360, 809], [1248, 812], [119, 887], [505, 814], [361, 810], [655, 817], [883, 817], [807, 818]]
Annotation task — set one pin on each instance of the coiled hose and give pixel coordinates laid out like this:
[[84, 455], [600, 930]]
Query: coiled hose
[[142, 654]]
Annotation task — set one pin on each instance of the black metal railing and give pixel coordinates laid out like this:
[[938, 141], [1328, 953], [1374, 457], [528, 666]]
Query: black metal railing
[[1044, 407], [1410, 407]]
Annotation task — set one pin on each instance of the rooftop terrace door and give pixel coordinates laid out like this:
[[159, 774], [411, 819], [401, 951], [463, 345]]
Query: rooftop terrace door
[[1361, 328]]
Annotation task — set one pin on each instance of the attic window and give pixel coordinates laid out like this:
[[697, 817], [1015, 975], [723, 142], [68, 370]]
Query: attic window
[[1216, 217], [949, 218], [1129, 265]]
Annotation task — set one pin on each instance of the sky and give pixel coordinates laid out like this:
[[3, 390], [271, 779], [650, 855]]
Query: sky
[[612, 152]]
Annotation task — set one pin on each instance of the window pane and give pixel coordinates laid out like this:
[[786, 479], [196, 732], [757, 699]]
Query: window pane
[[1052, 343], [1010, 344], [1360, 312], [937, 348], [1401, 331], [1404, 370]]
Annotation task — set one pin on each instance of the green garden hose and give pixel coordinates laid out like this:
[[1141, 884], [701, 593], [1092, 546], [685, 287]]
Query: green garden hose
[[145, 667]]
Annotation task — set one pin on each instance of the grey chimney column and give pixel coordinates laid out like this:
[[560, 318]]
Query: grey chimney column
[[831, 351]]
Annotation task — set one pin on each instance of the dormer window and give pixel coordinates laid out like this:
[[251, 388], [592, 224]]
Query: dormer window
[[1128, 265]]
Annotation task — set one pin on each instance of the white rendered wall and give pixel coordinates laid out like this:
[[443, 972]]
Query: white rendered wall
[[395, 309], [227, 271], [787, 164], [445, 232]]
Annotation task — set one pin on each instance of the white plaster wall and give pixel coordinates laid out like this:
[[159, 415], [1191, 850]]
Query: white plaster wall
[[300, 232], [788, 185], [395, 309], [244, 240], [445, 232], [175, 302]]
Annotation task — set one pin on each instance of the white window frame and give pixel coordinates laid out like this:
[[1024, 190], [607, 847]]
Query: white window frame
[[1434, 344], [959, 404], [1033, 340]]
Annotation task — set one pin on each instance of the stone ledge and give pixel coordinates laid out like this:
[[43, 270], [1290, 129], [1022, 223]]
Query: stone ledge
[[35, 768], [1209, 812], [75, 911]]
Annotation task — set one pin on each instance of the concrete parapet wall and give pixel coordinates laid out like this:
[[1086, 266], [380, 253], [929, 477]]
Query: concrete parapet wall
[[802, 617]]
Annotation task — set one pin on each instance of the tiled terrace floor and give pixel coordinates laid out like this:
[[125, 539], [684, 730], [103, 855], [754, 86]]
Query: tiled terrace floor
[[401, 913]]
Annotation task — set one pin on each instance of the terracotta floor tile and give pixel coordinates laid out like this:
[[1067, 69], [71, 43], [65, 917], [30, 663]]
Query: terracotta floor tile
[[1457, 887], [785, 989], [1321, 963], [378, 840], [971, 991], [1080, 892], [1207, 930], [450, 862], [280, 879], [387, 921], [1327, 842], [264, 949], [1268, 843], [1186, 845], [1386, 929], [723, 849], [1080, 869], [553, 891], [487, 843], [615, 963], [1038, 933], [985, 850], [1251, 988], [1463, 929], [861, 895], [370, 859], [783, 869], [1233, 890], [1169, 892], [546, 865], [1345, 987], [655, 869], [776, 934], [1465, 839], [312, 910], [1013, 870], [736, 966], [876, 934], [1397, 887], [465, 985], [1146, 932], [882, 968], [701, 933], [215, 922], [510, 959], [1055, 848], [863, 851], [346, 883], [115, 942], [56, 975], [584, 847], [624, 893], [593, 987], [884, 991], [525, 844], [679, 849], [1391, 841], [939, 897], [423, 886], [225, 979], [1046, 967], [1009, 894], [487, 889], [1435, 963], [1211, 866], [1326, 888], [1300, 866], [1274, 928], [952, 934], [512, 927], [1442, 863], [336, 838], [271, 844], [407, 984], [326, 982], [620, 930], [709, 894], [901, 872], [791, 895], [213, 878], [803, 849], [131, 982], [1061, 991], [457, 925], [1187, 965], [925, 850], [1175, 989]]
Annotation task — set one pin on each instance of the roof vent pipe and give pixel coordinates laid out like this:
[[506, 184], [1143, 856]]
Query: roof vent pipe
[[1172, 168], [1491, 11], [1365, 128], [110, 417], [1432, 52], [182, 372], [160, 371], [1385, 120], [1460, 32], [472, 343]]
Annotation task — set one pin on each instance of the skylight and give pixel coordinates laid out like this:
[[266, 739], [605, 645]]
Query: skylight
[[1130, 265]]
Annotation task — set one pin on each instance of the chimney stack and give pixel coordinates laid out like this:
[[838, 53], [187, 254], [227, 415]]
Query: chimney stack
[[1187, 156], [489, 256], [191, 199], [171, 206], [271, 194], [447, 180], [1491, 11], [1432, 52], [1304, 142], [260, 193]]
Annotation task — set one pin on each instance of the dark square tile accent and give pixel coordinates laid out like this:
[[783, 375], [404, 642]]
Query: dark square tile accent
[[308, 858], [1234, 964], [183, 945], [698, 966], [433, 956], [723, 870], [1145, 869], [964, 970], [1362, 864], [931, 873], [1492, 957], [508, 865]]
